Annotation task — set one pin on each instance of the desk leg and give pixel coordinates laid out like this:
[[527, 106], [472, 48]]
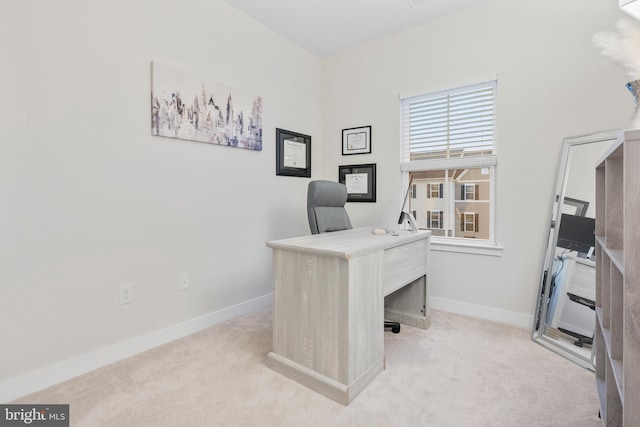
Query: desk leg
[[408, 305]]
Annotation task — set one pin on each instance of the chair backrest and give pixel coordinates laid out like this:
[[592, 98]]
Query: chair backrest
[[325, 207]]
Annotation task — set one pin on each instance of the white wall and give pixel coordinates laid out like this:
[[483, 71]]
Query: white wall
[[91, 201], [552, 83]]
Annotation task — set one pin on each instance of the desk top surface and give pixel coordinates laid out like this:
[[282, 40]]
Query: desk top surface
[[348, 243]]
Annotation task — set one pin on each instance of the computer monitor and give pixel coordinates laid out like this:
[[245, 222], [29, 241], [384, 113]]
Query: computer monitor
[[577, 233]]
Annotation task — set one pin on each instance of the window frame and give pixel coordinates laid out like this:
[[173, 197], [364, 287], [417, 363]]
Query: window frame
[[467, 192], [438, 190], [439, 214], [456, 244], [465, 222]]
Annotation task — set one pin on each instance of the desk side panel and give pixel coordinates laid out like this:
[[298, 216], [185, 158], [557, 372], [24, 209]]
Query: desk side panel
[[310, 324], [366, 308]]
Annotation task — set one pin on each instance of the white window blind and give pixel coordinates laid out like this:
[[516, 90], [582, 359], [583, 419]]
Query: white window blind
[[456, 123], [448, 141]]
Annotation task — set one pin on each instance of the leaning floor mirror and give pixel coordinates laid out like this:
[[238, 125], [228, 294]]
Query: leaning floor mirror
[[565, 315]]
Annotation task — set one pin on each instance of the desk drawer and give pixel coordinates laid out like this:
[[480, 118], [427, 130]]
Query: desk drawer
[[404, 264]]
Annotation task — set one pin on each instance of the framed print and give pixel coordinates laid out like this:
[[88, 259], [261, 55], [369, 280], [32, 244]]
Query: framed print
[[575, 206], [293, 154], [356, 140], [360, 181], [179, 110]]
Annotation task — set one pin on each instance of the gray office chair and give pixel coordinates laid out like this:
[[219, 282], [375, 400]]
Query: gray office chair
[[326, 213], [325, 207]]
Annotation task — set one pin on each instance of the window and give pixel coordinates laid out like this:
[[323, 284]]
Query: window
[[469, 222], [449, 154], [434, 219], [469, 191], [435, 191]]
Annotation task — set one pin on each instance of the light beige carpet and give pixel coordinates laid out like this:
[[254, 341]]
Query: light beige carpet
[[460, 372]]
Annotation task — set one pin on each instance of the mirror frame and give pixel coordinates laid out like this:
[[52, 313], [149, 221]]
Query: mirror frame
[[540, 314]]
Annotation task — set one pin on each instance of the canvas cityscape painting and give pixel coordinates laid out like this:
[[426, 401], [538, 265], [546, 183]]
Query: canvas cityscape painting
[[187, 107]]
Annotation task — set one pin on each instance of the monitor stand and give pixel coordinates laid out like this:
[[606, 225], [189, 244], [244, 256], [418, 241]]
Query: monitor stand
[[406, 216]]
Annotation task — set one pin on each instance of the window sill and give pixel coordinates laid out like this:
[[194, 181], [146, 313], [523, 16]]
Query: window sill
[[463, 246]]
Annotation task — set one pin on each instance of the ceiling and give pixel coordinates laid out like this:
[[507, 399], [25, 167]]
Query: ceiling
[[326, 27]]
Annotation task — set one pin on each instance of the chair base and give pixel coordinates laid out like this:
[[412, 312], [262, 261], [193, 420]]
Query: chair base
[[581, 339], [395, 326]]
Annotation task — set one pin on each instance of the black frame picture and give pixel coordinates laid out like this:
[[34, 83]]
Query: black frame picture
[[580, 206], [356, 140], [360, 181], [293, 154]]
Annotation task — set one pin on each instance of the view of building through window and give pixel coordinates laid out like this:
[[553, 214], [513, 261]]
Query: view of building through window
[[452, 202]]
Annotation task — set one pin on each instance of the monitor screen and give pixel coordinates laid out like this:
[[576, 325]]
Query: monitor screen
[[577, 233]]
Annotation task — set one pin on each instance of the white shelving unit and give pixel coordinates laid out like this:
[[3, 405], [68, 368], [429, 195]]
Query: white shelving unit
[[617, 332]]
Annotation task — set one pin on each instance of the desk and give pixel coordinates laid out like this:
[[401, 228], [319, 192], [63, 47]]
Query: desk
[[330, 293], [576, 277]]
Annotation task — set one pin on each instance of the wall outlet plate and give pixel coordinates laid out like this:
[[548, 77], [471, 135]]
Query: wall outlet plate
[[184, 281], [126, 294]]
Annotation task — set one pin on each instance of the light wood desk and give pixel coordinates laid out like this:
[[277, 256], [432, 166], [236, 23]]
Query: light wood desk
[[577, 277], [332, 293]]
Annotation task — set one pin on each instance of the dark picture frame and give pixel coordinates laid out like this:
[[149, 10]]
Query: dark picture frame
[[360, 181], [293, 154], [580, 206], [356, 140]]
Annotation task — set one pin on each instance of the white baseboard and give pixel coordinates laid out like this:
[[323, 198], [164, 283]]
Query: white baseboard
[[483, 312], [54, 374]]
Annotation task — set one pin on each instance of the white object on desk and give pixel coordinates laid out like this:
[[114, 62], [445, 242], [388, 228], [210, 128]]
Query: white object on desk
[[329, 305], [577, 278], [576, 317]]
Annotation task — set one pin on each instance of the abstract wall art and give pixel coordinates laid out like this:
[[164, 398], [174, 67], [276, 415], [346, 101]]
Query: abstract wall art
[[187, 107]]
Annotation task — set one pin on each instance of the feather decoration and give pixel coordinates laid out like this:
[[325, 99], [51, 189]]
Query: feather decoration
[[622, 46]]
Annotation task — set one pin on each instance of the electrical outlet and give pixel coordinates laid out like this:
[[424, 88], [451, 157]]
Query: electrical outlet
[[184, 281], [126, 293]]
